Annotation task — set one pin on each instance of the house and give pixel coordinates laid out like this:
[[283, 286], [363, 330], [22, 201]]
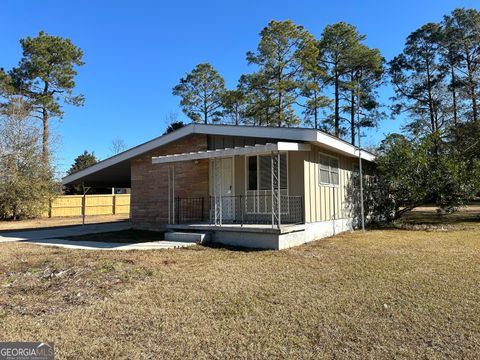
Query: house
[[259, 187]]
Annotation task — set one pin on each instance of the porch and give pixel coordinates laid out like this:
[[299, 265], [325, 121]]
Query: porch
[[260, 186]]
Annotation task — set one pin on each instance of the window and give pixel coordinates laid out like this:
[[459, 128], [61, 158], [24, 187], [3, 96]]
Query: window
[[260, 172], [329, 172]]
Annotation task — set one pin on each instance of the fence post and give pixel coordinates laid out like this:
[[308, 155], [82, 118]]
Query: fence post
[[114, 204], [83, 208], [50, 208]]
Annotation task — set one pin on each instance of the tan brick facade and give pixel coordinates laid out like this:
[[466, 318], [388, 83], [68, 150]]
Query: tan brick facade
[[149, 198]]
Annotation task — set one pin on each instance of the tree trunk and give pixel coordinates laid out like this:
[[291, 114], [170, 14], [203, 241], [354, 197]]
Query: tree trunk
[[315, 110], [45, 135], [431, 107], [337, 106], [471, 85], [474, 104], [280, 110], [352, 113], [205, 110], [454, 95]]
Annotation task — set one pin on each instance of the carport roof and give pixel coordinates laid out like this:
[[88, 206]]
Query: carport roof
[[115, 171]]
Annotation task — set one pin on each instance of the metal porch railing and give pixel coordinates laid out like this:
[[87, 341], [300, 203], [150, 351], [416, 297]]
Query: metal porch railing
[[239, 209]]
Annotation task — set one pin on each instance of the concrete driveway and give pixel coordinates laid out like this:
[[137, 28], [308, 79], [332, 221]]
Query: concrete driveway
[[60, 232], [54, 237]]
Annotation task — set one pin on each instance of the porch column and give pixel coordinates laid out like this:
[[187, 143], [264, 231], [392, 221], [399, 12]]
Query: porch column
[[276, 194], [217, 185]]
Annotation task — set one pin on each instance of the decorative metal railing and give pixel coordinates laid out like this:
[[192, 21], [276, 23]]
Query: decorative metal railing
[[240, 209]]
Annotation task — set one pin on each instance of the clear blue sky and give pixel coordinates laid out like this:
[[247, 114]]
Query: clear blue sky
[[136, 51]]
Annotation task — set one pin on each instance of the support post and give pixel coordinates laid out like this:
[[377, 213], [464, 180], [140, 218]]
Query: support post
[[334, 211], [173, 193], [84, 191], [276, 197], [302, 208], [217, 187], [279, 194], [273, 203], [241, 210], [362, 210], [178, 211], [169, 197]]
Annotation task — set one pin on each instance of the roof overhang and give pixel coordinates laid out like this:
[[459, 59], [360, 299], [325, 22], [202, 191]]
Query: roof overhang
[[115, 171], [241, 150]]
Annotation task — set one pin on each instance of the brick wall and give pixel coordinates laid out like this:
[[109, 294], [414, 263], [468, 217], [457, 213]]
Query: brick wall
[[149, 198]]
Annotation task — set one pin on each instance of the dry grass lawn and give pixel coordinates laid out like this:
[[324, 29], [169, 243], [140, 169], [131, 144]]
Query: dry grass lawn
[[390, 293]]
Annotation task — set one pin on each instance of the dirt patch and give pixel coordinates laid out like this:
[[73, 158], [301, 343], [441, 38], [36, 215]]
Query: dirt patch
[[41, 282]]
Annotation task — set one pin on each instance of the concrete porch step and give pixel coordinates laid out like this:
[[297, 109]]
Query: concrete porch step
[[186, 236]]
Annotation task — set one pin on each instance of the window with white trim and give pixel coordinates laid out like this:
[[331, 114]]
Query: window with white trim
[[259, 175], [329, 170]]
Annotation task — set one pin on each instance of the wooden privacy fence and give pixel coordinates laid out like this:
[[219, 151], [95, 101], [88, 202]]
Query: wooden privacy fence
[[71, 205]]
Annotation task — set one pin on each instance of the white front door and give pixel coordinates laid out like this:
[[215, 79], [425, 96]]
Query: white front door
[[224, 188]]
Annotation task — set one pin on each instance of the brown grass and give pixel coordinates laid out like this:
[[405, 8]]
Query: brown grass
[[381, 294], [59, 221]]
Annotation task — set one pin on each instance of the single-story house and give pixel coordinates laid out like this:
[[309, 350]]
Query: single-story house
[[260, 187]]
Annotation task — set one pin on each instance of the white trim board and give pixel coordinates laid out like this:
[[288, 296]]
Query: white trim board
[[242, 150], [288, 134]]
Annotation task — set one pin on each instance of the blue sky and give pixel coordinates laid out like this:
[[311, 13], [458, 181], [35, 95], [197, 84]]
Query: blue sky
[[136, 51]]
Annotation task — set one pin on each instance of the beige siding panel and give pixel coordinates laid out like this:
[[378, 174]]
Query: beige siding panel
[[295, 173], [325, 202], [313, 189]]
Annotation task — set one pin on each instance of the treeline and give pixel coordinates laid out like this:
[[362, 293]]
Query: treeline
[[436, 77], [294, 74], [436, 82], [331, 83]]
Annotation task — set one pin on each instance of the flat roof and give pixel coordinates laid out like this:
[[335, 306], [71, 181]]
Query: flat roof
[[115, 171]]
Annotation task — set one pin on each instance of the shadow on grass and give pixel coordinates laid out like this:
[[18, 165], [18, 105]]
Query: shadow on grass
[[122, 236], [60, 226], [432, 220], [219, 246]]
